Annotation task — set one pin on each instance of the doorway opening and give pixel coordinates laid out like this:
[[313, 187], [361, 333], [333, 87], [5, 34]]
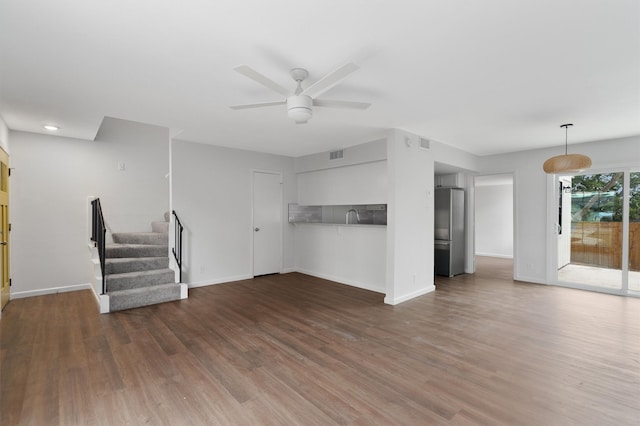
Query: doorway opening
[[494, 218], [598, 231]]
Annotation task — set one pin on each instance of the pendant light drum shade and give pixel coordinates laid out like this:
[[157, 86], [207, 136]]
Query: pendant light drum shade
[[571, 163], [567, 163]]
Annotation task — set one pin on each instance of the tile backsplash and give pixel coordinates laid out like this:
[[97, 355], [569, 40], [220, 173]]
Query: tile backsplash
[[370, 214]]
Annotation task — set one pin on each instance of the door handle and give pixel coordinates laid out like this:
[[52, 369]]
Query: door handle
[[255, 229], [3, 243]]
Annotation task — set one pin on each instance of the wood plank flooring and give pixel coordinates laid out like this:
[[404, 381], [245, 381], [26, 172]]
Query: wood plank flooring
[[293, 349]]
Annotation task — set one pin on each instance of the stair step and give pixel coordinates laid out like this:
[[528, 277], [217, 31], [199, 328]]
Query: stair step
[[155, 238], [133, 264], [144, 296], [138, 279], [161, 227], [136, 250]]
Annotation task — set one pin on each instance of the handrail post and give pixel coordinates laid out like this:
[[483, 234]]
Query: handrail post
[[99, 236], [177, 242]]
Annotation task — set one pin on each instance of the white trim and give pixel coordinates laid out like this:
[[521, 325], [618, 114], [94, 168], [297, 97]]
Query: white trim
[[184, 291], [288, 270], [353, 283], [219, 281], [103, 303], [531, 280], [412, 295], [52, 290], [501, 256]]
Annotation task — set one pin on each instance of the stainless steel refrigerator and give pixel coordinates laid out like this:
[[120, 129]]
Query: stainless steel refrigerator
[[449, 231]]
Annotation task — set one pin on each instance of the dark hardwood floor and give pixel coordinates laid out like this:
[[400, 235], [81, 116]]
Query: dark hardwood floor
[[293, 349]]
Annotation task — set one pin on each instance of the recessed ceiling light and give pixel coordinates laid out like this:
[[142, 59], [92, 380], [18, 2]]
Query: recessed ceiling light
[[51, 127]]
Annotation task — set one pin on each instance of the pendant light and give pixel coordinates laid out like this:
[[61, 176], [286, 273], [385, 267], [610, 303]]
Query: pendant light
[[567, 162]]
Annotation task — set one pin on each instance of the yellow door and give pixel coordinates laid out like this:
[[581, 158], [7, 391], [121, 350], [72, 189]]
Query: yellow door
[[4, 227]]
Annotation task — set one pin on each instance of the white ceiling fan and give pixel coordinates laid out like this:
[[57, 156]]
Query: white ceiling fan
[[300, 101]]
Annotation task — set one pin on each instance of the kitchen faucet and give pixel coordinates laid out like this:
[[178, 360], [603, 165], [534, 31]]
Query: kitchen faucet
[[346, 219]]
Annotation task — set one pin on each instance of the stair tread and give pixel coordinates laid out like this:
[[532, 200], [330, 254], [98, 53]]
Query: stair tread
[[144, 296], [141, 273], [135, 245], [140, 233], [138, 290], [130, 259]]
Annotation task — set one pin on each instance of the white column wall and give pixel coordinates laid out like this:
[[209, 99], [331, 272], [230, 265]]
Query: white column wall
[[410, 218]]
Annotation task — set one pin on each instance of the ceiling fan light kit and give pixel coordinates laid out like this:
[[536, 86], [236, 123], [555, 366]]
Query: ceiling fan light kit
[[299, 108], [567, 163], [300, 102]]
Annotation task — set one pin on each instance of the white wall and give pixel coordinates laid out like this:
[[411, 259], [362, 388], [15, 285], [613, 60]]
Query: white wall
[[50, 183], [368, 152], [4, 136], [356, 184], [494, 220], [212, 196], [534, 211], [410, 218], [353, 255]]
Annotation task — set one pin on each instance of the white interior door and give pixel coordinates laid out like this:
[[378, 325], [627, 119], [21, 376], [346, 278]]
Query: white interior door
[[267, 223]]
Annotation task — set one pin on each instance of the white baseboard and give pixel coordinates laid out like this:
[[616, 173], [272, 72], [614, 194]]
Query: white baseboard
[[103, 302], [184, 291], [501, 256], [288, 270], [353, 283], [396, 300], [526, 279], [52, 290], [219, 281]]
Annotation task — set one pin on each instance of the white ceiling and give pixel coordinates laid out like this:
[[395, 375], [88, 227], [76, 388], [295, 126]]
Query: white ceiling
[[487, 76]]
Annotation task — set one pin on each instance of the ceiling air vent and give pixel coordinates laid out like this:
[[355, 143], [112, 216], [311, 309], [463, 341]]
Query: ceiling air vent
[[424, 143], [334, 155]]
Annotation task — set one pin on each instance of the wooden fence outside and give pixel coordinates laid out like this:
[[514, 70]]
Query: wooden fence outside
[[600, 244]]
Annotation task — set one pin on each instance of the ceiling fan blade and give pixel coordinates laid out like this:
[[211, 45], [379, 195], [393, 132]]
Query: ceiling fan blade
[[258, 105], [330, 80], [259, 78], [340, 104]]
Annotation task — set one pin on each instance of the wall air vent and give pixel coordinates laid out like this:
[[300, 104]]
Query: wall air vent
[[334, 155], [425, 143]]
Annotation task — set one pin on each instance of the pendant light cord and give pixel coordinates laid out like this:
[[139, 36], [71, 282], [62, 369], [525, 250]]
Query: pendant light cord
[[566, 136]]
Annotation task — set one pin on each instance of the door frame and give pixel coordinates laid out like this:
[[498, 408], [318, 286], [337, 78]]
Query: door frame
[[282, 215], [552, 245], [5, 248], [472, 214]]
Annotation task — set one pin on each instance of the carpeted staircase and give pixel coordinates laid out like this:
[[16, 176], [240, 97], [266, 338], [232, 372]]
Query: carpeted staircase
[[137, 269]]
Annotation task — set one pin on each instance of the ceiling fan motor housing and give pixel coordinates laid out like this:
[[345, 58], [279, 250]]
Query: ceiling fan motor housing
[[299, 108]]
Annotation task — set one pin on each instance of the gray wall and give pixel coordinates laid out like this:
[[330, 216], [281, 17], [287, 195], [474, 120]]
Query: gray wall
[[212, 194], [50, 183]]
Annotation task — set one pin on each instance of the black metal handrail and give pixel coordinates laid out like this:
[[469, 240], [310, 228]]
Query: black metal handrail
[[177, 242], [99, 235]]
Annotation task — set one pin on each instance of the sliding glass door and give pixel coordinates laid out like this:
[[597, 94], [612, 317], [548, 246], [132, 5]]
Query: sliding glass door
[[634, 232], [599, 231]]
